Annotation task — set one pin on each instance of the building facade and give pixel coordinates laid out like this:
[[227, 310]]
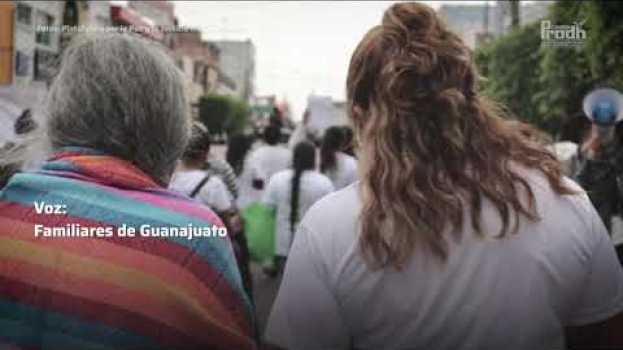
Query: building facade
[[30, 49], [160, 12], [32, 37], [195, 61], [237, 61], [464, 20], [159, 15], [7, 13], [501, 19], [36, 44], [475, 22]]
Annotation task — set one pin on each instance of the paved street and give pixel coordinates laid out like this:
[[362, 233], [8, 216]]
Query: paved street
[[264, 292]]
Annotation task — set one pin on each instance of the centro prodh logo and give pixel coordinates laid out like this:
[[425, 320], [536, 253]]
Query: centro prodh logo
[[562, 35]]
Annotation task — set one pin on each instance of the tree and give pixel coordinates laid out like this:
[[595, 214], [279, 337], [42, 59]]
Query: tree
[[569, 74], [239, 117], [511, 65], [545, 85], [223, 114], [604, 43], [214, 110]]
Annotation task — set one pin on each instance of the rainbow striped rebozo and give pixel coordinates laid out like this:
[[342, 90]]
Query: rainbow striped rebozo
[[89, 291]]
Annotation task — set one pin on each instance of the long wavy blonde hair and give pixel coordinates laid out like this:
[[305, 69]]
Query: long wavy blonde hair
[[429, 146]]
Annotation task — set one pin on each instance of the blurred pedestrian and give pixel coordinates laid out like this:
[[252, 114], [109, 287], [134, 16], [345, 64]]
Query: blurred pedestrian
[[205, 183], [7, 170], [262, 163], [573, 133], [24, 123], [292, 192], [349, 141], [340, 167], [238, 146], [23, 126], [276, 118], [462, 233], [221, 168], [599, 170], [301, 132], [194, 180], [116, 119]]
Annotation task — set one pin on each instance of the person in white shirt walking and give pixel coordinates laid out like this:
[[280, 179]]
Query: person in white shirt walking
[[201, 178], [292, 192], [340, 167], [262, 163], [192, 179], [461, 234]]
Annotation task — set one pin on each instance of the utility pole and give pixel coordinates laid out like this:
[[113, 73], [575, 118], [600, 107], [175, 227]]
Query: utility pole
[[514, 4], [485, 24]]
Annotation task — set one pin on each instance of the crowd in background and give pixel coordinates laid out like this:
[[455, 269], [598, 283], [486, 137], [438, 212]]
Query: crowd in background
[[449, 227], [288, 179]]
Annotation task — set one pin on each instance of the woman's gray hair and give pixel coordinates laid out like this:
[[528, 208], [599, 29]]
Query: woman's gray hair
[[122, 95]]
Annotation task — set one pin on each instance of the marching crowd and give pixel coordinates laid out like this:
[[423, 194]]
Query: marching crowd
[[449, 227], [265, 172]]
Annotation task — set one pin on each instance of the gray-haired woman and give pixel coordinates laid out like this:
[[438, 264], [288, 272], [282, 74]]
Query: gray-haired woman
[[79, 278]]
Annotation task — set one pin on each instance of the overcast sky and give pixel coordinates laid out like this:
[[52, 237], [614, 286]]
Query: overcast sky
[[301, 47]]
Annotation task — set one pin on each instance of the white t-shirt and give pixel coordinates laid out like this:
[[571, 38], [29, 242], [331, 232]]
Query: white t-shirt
[[262, 163], [298, 135], [345, 171], [512, 293], [313, 186], [214, 193]]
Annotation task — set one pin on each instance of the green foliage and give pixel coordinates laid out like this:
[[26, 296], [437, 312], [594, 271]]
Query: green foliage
[[239, 117], [512, 70], [565, 76], [545, 85], [223, 114], [606, 45]]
